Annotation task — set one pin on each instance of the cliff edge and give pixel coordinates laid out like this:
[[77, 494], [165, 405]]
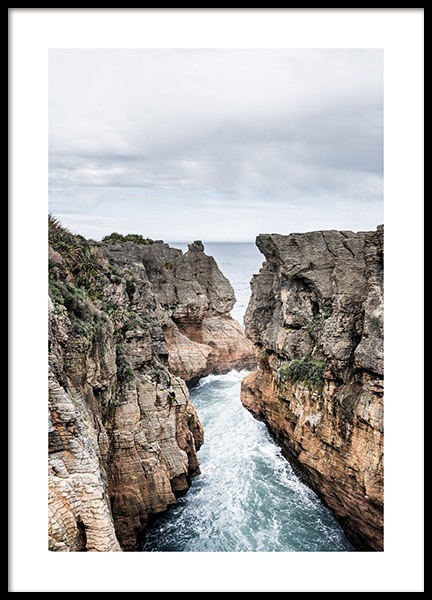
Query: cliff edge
[[123, 434], [316, 320]]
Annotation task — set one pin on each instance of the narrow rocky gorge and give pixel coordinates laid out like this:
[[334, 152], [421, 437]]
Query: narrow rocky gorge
[[316, 320], [132, 323]]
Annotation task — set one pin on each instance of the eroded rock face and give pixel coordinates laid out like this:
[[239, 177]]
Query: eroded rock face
[[123, 434], [193, 300], [316, 319], [123, 437], [80, 516]]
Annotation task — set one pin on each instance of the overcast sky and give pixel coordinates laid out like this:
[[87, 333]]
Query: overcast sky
[[218, 145]]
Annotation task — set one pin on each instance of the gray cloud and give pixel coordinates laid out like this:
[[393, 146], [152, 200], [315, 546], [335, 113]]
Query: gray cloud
[[216, 144]]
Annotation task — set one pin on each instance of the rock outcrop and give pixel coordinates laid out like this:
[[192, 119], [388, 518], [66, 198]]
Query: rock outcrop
[[123, 434], [316, 319], [193, 300]]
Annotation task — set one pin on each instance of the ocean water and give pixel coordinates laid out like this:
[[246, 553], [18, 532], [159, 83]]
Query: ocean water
[[247, 499]]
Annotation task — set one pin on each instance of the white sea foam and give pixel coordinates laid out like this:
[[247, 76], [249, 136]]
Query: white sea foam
[[248, 497]]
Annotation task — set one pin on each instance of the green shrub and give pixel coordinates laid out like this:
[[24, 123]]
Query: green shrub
[[306, 370], [130, 237], [57, 234], [55, 292], [75, 301], [77, 254]]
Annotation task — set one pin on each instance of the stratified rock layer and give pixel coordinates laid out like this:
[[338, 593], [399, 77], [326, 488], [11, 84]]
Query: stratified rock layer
[[316, 319], [193, 300], [123, 434]]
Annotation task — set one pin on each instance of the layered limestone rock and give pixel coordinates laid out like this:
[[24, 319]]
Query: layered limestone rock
[[316, 319], [123, 434], [193, 303], [80, 516]]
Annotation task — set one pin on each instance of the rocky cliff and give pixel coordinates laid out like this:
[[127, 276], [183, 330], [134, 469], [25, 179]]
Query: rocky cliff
[[127, 320], [193, 300], [316, 319]]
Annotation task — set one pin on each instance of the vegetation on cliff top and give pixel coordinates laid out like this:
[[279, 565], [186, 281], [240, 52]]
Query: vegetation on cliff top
[[79, 258], [79, 286], [130, 237], [82, 282]]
